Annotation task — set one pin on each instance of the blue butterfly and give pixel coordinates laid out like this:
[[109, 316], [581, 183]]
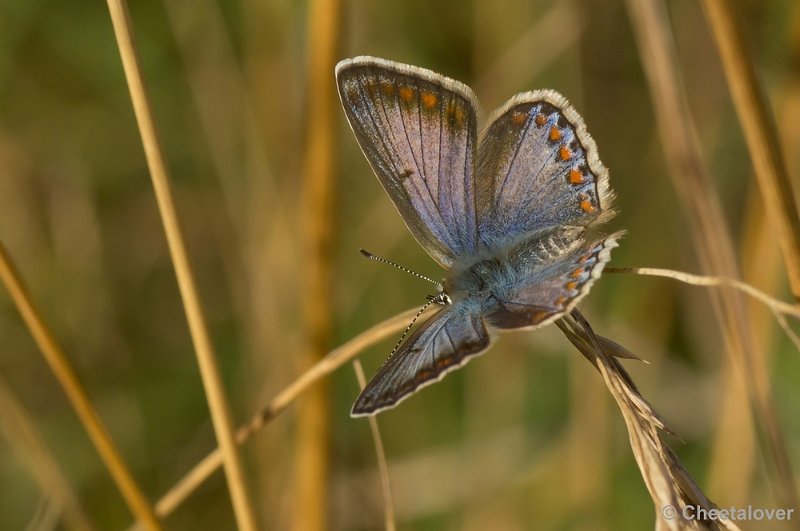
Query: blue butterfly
[[506, 212]]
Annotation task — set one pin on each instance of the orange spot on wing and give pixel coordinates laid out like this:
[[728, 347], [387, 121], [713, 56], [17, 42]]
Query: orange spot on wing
[[456, 113], [587, 206], [541, 119], [575, 176], [372, 86], [539, 316], [555, 134], [583, 258], [564, 153], [406, 93], [444, 362], [572, 285], [388, 88], [577, 273], [519, 117], [561, 301], [429, 99]]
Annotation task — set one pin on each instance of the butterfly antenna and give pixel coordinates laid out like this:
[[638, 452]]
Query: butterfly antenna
[[401, 268], [408, 328]]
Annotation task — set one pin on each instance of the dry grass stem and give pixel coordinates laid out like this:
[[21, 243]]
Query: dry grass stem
[[252, 195], [776, 305], [311, 461], [760, 134], [332, 361], [209, 371], [712, 239], [77, 395], [383, 466], [28, 444], [670, 485]]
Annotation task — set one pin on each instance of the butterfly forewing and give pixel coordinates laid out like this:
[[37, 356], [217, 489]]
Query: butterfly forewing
[[537, 168], [443, 343], [418, 131]]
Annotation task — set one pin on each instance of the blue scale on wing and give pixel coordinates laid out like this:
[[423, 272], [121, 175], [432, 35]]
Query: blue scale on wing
[[525, 166]]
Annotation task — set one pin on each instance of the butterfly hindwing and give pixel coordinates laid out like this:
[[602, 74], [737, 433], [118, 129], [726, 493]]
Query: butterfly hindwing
[[441, 344], [538, 168], [550, 275], [418, 130]]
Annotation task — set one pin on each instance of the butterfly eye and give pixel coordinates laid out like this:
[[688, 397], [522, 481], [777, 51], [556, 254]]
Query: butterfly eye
[[441, 298]]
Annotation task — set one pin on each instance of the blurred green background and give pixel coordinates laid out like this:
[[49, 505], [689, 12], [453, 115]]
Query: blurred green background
[[525, 437]]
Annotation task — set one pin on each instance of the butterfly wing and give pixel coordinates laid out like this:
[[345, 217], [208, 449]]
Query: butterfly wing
[[538, 168], [440, 345], [418, 131], [548, 277]]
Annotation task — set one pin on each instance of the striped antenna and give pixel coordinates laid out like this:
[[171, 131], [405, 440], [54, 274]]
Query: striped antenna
[[401, 268], [408, 328]]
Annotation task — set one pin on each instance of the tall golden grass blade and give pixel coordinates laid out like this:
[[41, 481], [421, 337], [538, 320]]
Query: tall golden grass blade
[[313, 424], [760, 134], [77, 395], [712, 239], [332, 361], [206, 359]]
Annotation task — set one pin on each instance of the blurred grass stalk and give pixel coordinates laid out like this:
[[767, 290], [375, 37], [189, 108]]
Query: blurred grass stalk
[[206, 358], [760, 134], [712, 239], [30, 448], [307, 380], [313, 421], [77, 395], [383, 466], [773, 181]]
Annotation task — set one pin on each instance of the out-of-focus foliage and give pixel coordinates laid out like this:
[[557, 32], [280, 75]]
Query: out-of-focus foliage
[[524, 437]]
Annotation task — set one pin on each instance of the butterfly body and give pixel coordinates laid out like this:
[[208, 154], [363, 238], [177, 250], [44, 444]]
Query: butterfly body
[[508, 212], [493, 283]]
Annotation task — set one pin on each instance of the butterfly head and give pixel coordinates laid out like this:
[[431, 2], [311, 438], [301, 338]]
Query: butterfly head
[[441, 298]]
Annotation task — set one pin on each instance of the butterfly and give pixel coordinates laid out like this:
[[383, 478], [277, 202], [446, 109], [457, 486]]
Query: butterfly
[[506, 212]]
